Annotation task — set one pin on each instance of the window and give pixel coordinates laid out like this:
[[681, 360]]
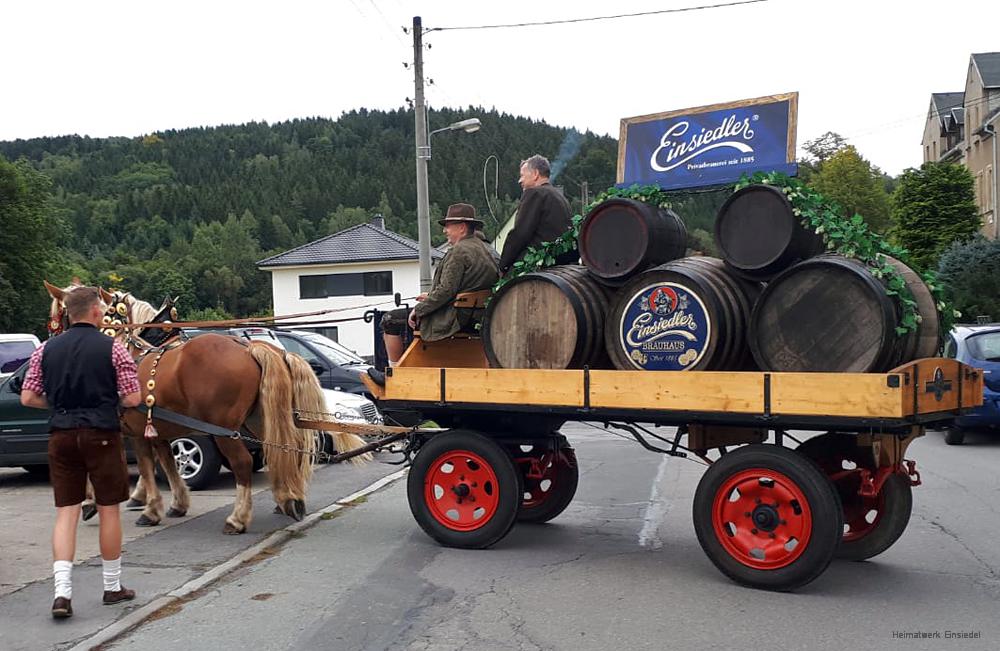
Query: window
[[293, 346], [371, 283]]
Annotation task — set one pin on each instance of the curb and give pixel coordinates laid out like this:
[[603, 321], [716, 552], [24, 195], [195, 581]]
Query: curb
[[278, 537]]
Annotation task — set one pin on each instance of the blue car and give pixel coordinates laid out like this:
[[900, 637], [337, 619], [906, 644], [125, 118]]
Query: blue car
[[979, 346]]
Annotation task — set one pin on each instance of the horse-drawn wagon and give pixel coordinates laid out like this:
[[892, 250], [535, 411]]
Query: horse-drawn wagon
[[767, 515]]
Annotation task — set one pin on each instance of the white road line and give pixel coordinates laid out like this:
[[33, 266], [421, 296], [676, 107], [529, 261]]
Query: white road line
[[656, 510], [278, 537]]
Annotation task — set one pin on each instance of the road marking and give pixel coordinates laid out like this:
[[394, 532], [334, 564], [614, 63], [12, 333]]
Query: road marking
[[656, 510], [136, 617]]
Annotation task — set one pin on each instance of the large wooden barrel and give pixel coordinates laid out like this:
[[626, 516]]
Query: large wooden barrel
[[924, 342], [689, 314], [828, 313], [553, 318], [621, 237], [759, 236]]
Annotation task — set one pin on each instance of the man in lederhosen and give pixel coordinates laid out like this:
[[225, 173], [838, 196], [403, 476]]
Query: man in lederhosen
[[83, 376]]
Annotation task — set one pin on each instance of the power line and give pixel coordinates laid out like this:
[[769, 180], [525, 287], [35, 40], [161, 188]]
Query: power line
[[594, 18]]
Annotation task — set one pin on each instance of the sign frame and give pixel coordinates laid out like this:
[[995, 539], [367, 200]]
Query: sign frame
[[792, 124]]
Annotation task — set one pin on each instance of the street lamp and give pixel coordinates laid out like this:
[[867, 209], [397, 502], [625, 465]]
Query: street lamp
[[468, 125]]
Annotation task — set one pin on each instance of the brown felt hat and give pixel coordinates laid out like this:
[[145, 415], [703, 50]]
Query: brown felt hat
[[461, 212]]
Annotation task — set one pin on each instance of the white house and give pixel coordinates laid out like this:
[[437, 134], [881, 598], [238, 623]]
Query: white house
[[351, 271]]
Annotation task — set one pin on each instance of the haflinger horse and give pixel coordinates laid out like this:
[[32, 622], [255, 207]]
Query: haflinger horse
[[247, 386]]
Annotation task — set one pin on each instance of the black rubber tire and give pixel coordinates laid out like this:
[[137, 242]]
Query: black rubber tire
[[508, 489], [560, 493], [954, 436], [206, 457], [323, 443], [826, 517], [829, 451], [258, 460], [38, 470]]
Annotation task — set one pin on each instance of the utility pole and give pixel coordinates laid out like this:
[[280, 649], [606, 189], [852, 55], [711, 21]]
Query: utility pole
[[423, 154], [584, 195]]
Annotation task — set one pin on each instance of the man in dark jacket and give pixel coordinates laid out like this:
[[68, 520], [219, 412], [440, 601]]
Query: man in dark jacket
[[542, 216], [83, 376]]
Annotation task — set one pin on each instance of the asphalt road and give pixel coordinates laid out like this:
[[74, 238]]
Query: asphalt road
[[620, 569]]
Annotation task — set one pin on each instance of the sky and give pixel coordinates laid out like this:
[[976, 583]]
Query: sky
[[864, 69]]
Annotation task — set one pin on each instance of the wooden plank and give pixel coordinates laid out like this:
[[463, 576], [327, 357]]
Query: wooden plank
[[459, 352], [849, 395], [717, 391], [418, 384], [937, 389], [541, 387]]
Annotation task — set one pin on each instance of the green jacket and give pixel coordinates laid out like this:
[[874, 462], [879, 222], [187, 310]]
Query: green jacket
[[467, 267]]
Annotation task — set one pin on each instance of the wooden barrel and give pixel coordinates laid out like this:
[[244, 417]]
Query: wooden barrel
[[828, 313], [689, 314], [926, 340], [759, 236], [553, 318], [621, 237]]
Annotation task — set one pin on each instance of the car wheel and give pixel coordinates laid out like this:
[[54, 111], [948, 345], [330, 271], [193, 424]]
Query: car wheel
[[198, 460], [954, 436], [323, 445], [37, 470], [258, 460]]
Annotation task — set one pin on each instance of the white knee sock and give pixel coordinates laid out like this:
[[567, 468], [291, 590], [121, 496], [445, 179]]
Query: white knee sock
[[112, 574], [63, 573]]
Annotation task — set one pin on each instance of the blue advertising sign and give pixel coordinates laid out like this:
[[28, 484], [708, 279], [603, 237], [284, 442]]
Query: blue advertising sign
[[709, 145], [665, 328]]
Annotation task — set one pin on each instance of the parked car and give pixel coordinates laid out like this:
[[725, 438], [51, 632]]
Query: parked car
[[337, 367], [979, 346], [15, 349]]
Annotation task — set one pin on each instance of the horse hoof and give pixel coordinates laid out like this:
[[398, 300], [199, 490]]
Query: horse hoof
[[144, 521], [134, 504], [232, 530], [295, 509], [88, 511], [175, 513]]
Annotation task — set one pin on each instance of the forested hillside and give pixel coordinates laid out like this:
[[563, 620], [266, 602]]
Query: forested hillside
[[189, 212]]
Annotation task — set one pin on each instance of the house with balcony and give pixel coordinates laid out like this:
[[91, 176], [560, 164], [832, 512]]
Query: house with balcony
[[962, 128]]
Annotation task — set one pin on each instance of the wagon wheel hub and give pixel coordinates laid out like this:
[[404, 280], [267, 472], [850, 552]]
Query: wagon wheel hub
[[462, 490], [765, 517]]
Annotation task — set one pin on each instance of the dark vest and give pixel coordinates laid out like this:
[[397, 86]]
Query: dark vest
[[80, 380]]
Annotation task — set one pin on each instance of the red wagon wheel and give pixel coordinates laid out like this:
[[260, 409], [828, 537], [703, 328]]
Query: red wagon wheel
[[463, 490], [873, 523], [549, 478], [767, 517]]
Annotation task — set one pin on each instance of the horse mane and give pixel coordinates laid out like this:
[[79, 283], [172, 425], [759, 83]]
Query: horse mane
[[142, 312]]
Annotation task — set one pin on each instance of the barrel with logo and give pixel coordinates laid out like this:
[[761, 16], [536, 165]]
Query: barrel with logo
[[621, 237], [553, 318], [831, 314], [759, 235], [688, 314]]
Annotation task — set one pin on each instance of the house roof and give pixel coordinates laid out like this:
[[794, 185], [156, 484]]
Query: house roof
[[988, 64], [361, 243], [945, 102]]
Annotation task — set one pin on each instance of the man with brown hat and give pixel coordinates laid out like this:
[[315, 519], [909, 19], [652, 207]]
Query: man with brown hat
[[469, 265]]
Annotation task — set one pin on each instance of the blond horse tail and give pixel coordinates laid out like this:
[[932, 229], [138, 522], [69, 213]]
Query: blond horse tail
[[309, 398], [289, 471]]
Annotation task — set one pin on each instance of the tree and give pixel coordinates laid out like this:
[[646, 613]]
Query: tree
[[850, 180], [822, 148], [970, 270], [932, 207], [29, 233]]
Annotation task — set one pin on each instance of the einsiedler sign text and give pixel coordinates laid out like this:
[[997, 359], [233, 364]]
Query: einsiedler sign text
[[709, 145]]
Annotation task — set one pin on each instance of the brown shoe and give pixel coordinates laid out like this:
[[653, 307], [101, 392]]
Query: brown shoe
[[111, 598], [62, 608]]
